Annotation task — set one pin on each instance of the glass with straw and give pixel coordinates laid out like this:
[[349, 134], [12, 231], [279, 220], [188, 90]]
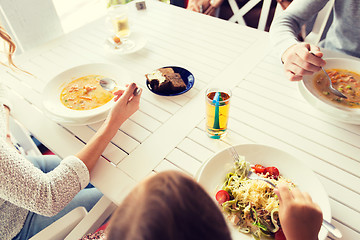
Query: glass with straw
[[217, 111]]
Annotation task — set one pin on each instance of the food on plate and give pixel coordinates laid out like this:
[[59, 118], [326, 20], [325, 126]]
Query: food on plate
[[251, 205], [165, 80], [85, 93], [343, 80], [117, 40]]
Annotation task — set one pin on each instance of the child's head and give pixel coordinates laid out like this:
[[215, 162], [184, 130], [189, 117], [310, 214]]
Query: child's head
[[171, 206]]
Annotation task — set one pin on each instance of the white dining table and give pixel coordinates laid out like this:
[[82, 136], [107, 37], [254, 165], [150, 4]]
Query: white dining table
[[168, 133]]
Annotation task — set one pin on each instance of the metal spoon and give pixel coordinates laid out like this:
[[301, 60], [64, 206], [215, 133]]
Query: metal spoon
[[109, 84], [331, 88]]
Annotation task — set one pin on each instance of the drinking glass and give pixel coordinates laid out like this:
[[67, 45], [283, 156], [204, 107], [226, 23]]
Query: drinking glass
[[118, 23], [217, 111]]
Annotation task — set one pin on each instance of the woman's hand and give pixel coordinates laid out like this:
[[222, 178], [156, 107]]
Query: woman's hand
[[302, 59], [208, 7], [127, 103], [300, 217], [198, 5]]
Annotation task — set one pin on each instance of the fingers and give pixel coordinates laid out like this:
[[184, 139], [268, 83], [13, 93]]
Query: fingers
[[216, 3], [129, 92], [316, 51], [307, 197], [298, 69], [292, 77], [297, 195], [210, 11], [137, 91], [136, 97], [118, 94], [284, 193], [302, 59], [193, 7], [310, 61]]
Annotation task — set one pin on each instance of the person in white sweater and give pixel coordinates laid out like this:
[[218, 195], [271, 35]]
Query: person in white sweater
[[36, 192], [301, 58]]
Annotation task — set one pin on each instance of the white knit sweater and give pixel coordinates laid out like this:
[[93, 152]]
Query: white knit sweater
[[24, 188]]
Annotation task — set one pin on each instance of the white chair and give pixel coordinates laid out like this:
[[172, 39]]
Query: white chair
[[30, 23], [314, 36], [61, 228], [239, 13], [319, 24], [21, 137], [78, 222]]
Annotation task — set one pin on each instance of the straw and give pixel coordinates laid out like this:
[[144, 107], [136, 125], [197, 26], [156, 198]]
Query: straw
[[216, 102]]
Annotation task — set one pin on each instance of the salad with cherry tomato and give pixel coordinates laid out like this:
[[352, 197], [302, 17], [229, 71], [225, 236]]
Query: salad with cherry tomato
[[251, 205]]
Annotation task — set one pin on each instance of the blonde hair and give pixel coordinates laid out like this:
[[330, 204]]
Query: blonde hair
[[10, 51], [11, 47]]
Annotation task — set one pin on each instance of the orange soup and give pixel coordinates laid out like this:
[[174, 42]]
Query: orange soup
[[85, 93], [347, 82]]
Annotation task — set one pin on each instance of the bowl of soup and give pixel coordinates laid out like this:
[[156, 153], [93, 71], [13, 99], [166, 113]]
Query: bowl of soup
[[76, 94], [345, 77]]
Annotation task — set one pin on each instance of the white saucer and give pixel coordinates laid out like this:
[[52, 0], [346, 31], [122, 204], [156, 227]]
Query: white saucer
[[136, 37], [76, 122]]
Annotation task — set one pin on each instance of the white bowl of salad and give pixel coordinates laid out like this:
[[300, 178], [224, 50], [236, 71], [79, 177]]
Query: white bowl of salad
[[250, 206]]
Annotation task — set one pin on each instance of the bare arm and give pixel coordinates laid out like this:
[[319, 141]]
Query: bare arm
[[126, 104]]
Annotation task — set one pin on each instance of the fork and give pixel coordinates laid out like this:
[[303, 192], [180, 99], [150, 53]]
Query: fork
[[251, 175]]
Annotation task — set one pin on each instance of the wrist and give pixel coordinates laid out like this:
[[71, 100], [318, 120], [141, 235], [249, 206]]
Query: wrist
[[111, 126]]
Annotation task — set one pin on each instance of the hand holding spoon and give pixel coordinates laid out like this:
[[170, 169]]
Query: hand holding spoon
[[109, 84]]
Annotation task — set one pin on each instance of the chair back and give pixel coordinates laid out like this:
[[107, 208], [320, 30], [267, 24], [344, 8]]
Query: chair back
[[314, 36], [30, 23], [22, 138], [59, 229], [239, 13]]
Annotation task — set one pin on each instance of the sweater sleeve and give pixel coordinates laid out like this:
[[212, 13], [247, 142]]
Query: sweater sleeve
[[26, 186], [285, 28]]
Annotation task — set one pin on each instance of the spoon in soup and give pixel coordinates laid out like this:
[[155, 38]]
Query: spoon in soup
[[331, 88], [109, 84]]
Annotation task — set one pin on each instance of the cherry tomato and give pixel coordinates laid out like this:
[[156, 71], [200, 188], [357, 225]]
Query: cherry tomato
[[279, 235], [259, 168], [273, 171], [222, 196]]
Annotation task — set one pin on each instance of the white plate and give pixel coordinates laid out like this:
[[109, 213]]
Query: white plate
[[320, 102], [212, 174], [77, 122], [51, 92], [137, 38]]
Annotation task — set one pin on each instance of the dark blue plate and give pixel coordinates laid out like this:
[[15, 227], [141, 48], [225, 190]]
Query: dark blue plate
[[187, 77]]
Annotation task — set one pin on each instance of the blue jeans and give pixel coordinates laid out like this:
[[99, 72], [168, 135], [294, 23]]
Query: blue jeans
[[34, 223]]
